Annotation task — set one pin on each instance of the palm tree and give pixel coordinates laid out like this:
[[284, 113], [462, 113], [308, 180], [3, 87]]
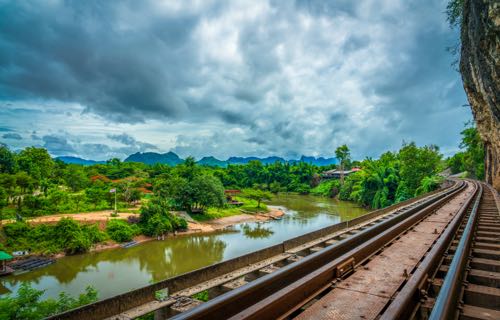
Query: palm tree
[[344, 155]]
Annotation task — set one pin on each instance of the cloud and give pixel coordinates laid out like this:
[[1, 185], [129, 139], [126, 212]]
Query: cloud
[[232, 78], [130, 141], [58, 145], [12, 136]]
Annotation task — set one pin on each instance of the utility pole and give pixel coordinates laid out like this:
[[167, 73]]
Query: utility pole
[[114, 191]]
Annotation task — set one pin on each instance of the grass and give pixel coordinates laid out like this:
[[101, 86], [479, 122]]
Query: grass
[[249, 206]]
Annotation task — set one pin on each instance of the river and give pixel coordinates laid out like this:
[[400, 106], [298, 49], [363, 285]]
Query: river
[[116, 271]]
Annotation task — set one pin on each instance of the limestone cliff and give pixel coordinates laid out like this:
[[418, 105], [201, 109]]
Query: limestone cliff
[[479, 65]]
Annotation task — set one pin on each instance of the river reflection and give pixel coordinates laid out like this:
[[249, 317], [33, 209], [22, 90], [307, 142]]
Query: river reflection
[[115, 271], [258, 231]]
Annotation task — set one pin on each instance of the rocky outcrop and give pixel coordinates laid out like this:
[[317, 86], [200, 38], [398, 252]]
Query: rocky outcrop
[[479, 65]]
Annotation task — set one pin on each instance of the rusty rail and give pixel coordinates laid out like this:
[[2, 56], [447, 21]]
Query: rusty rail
[[116, 305], [407, 299], [277, 294], [446, 302]]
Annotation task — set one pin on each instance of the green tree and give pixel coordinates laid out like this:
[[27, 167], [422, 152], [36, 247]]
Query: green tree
[[36, 162], [256, 195], [70, 236], [207, 191], [4, 201], [24, 181], [96, 194], [343, 154], [417, 163], [8, 181], [157, 220], [473, 159], [75, 177], [28, 305], [7, 160]]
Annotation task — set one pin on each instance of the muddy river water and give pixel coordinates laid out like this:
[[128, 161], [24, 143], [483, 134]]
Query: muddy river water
[[116, 271]]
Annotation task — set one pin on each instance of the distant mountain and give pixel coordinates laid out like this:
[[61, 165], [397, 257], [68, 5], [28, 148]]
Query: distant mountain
[[241, 160], [172, 159], [76, 160], [212, 162], [169, 158]]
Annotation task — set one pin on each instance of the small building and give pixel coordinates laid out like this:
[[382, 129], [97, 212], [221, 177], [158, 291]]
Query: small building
[[229, 197], [4, 257], [335, 173]]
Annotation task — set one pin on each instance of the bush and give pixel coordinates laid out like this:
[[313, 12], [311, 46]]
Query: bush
[[328, 188], [67, 235], [120, 231], [428, 184], [71, 237], [157, 220], [27, 304]]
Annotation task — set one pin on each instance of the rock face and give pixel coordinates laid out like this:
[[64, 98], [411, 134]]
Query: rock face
[[480, 68]]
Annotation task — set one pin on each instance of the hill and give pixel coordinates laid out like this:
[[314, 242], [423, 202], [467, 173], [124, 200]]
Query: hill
[[212, 162], [169, 158], [172, 159]]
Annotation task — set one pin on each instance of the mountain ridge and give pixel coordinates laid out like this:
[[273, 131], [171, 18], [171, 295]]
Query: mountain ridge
[[172, 159]]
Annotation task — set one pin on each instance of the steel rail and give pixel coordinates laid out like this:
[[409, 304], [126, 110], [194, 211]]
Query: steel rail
[[284, 302], [408, 298], [235, 301], [446, 303]]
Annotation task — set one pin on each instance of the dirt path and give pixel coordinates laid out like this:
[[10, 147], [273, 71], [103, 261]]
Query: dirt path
[[90, 217], [103, 216]]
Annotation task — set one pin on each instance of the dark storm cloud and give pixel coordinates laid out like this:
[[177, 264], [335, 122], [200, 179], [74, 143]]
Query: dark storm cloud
[[132, 144], [88, 55], [57, 145], [232, 78], [12, 136]]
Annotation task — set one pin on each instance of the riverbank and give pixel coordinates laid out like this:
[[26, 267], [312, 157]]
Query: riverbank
[[194, 227], [205, 227]]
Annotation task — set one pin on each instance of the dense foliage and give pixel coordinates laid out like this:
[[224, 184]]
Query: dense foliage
[[471, 159], [394, 177], [27, 303], [121, 231], [157, 220], [67, 235], [32, 184]]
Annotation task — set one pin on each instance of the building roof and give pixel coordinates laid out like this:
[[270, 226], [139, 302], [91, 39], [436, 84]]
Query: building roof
[[5, 256]]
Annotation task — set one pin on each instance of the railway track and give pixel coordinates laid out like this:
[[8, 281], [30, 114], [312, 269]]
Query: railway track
[[435, 257], [460, 279], [183, 300], [301, 288]]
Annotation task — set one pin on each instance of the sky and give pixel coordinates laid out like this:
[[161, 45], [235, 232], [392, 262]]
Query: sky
[[102, 79]]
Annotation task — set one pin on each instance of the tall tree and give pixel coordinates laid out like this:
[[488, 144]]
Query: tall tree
[[344, 155], [36, 162], [7, 160]]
